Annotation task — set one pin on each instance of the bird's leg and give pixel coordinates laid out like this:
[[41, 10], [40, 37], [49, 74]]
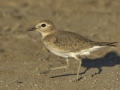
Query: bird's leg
[[62, 67], [79, 66]]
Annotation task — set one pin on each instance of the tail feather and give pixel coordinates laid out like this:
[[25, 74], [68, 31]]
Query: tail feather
[[112, 44]]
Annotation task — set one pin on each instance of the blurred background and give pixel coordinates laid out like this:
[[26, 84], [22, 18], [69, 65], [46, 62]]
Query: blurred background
[[23, 55]]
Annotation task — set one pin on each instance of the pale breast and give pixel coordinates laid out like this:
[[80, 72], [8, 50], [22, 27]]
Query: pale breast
[[57, 51]]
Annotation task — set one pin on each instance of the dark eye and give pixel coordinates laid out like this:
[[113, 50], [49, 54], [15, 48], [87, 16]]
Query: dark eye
[[43, 25]]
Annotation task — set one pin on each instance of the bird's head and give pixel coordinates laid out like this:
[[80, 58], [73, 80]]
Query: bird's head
[[45, 27]]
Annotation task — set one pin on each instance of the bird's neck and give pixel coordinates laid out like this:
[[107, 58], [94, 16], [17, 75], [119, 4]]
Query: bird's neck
[[45, 34]]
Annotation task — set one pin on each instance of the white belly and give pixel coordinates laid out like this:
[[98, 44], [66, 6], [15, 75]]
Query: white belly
[[62, 54], [73, 54]]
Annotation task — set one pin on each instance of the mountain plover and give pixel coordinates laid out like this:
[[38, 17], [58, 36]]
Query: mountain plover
[[67, 44]]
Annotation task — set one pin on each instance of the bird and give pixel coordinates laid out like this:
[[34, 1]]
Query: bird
[[67, 44]]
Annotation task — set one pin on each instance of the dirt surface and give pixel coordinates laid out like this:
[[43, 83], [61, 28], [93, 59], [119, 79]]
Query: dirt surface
[[23, 56]]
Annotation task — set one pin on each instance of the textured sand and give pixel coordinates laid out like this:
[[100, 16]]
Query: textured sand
[[23, 56]]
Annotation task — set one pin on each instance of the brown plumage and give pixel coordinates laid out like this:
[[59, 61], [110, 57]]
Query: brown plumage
[[68, 41], [111, 44], [67, 44]]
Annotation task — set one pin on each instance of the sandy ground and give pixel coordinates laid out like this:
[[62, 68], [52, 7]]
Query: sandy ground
[[23, 56]]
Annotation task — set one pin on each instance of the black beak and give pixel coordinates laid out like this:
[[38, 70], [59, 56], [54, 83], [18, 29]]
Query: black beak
[[32, 29]]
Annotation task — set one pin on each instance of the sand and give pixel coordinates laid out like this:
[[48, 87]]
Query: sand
[[23, 56]]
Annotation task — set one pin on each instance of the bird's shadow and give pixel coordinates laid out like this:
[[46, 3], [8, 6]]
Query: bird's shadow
[[109, 60]]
